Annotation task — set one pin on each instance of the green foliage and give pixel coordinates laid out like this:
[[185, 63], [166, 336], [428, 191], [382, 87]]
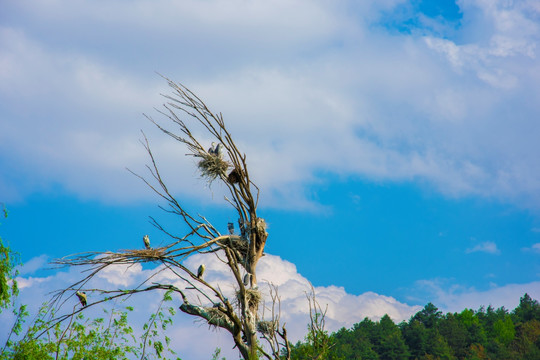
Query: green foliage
[[527, 310], [104, 338], [215, 355], [429, 335], [156, 326], [8, 261], [318, 341], [504, 331], [81, 338]]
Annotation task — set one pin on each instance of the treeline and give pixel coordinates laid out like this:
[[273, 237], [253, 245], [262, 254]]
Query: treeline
[[471, 335]]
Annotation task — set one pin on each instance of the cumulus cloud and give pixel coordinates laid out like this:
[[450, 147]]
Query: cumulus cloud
[[320, 89], [487, 247], [197, 340]]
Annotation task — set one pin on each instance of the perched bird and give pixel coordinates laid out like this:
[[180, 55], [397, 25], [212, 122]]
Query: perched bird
[[200, 272], [233, 177], [247, 279], [230, 226], [146, 240], [219, 150], [244, 231], [82, 297], [212, 150]]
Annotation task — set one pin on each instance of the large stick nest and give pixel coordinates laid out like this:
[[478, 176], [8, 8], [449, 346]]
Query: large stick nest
[[237, 243], [149, 254], [212, 166], [253, 297], [266, 327]]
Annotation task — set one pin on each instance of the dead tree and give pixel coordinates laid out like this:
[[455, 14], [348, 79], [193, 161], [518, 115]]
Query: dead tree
[[225, 163]]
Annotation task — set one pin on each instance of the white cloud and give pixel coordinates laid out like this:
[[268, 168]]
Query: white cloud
[[344, 309], [534, 248], [121, 275], [487, 247], [196, 339], [33, 265], [455, 298], [316, 89]]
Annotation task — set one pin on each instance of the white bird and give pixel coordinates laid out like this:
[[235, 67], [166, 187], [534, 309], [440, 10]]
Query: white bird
[[146, 240], [82, 297], [219, 150], [212, 150], [200, 271]]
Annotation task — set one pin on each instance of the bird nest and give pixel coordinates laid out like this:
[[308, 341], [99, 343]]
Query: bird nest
[[212, 166], [253, 297], [266, 327], [150, 254], [236, 243]]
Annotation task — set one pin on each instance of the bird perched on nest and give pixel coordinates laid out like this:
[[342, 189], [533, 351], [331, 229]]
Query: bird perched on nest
[[146, 240], [230, 227], [82, 297], [219, 150], [200, 271], [212, 150]]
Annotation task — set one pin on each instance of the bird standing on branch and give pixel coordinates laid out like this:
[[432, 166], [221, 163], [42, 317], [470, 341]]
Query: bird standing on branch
[[82, 297], [146, 240], [200, 271]]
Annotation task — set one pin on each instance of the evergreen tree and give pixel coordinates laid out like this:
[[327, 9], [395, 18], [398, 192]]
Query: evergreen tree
[[389, 342], [416, 337], [528, 309], [456, 334], [429, 316], [490, 333]]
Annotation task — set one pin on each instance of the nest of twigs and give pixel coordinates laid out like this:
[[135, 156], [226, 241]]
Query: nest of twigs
[[212, 167], [150, 254], [266, 327], [236, 243], [253, 297]]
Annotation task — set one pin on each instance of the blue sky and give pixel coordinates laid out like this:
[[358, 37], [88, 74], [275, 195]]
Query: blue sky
[[395, 142]]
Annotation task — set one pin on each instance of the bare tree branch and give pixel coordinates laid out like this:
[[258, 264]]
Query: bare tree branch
[[222, 162]]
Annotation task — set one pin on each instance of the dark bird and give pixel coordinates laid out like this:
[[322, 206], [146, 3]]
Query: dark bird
[[200, 272], [234, 177], [82, 297], [244, 233], [146, 240], [247, 279], [230, 226]]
